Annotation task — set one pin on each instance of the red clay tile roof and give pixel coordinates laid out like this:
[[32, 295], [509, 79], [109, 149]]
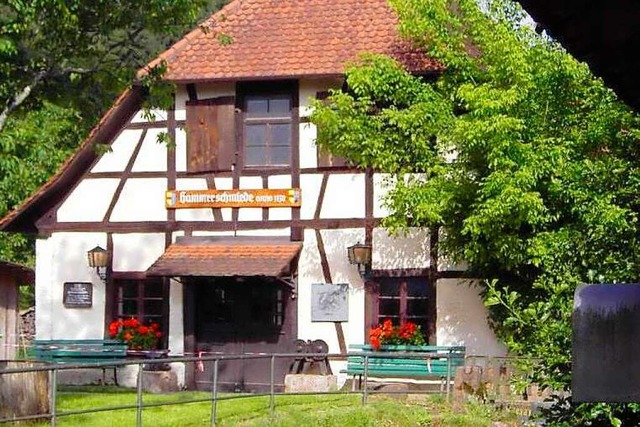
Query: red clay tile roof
[[226, 258], [289, 38]]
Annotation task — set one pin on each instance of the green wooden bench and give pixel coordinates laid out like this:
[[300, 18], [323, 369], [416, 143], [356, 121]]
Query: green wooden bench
[[439, 362], [80, 351]]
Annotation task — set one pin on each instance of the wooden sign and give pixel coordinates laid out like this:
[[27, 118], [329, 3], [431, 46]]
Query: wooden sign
[[261, 198], [77, 294]]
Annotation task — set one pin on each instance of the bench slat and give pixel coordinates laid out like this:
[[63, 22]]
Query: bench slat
[[434, 364], [78, 351]]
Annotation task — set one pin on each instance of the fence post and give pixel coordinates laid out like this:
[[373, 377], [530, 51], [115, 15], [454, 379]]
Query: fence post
[[139, 399], [364, 379], [448, 375], [214, 394], [272, 402], [53, 395]]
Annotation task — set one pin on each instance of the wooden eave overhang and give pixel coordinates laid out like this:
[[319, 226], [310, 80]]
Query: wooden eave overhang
[[23, 275], [605, 35], [24, 217]]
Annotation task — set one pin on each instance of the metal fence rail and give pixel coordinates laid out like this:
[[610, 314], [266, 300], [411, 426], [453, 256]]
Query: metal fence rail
[[54, 369]]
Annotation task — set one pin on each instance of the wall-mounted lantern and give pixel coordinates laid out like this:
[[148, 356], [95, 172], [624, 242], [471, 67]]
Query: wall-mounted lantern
[[360, 255], [98, 258]]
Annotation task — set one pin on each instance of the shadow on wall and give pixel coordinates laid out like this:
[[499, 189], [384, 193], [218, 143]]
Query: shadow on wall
[[462, 318], [402, 251]]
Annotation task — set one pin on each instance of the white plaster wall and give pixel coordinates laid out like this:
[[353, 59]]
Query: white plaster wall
[[344, 197], [308, 149], [63, 258], [121, 149], [276, 232], [307, 93], [142, 199], [213, 233], [309, 89], [310, 271], [181, 150], [136, 251], [152, 156], [403, 251], [381, 183], [310, 186], [193, 214], [151, 116], [214, 90], [462, 319], [181, 97], [176, 328], [89, 201]]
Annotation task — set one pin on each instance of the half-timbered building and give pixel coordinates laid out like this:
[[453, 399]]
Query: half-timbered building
[[221, 234]]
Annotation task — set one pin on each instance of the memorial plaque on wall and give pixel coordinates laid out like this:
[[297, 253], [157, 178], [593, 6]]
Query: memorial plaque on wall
[[78, 294], [329, 303]]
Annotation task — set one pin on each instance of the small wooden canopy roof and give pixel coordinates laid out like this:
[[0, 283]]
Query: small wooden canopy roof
[[227, 257]]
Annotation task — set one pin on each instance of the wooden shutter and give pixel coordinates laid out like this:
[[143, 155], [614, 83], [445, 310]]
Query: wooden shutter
[[211, 142], [326, 159]]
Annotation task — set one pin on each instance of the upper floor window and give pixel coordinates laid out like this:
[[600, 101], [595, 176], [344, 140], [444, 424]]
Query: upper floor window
[[267, 126]]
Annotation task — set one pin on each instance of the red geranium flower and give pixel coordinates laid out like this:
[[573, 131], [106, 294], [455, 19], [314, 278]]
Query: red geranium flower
[[407, 333], [136, 335]]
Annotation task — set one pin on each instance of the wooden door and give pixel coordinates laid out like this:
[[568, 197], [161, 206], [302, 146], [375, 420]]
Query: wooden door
[[239, 316]]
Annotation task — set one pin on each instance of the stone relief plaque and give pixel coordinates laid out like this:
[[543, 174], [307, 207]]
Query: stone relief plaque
[[329, 302]]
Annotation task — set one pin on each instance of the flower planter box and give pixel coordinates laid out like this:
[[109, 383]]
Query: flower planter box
[[404, 361], [150, 354]]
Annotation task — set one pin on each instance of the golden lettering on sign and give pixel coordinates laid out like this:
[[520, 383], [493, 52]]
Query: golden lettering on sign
[[260, 198]]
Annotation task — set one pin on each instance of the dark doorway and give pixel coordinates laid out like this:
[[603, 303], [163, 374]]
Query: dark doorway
[[237, 316]]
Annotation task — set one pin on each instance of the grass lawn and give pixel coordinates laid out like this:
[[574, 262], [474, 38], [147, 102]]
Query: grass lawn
[[341, 410]]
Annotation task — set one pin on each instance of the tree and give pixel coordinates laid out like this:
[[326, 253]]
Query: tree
[[61, 63], [78, 51], [524, 160]]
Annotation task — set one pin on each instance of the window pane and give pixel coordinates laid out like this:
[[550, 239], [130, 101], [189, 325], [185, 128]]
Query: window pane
[[417, 307], [257, 105], [153, 307], [153, 290], [130, 290], [256, 135], [394, 319], [417, 288], [129, 308], [389, 288], [255, 156], [280, 106], [389, 307], [281, 135], [280, 155]]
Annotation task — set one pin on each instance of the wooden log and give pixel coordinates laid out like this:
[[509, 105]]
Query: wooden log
[[23, 394]]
